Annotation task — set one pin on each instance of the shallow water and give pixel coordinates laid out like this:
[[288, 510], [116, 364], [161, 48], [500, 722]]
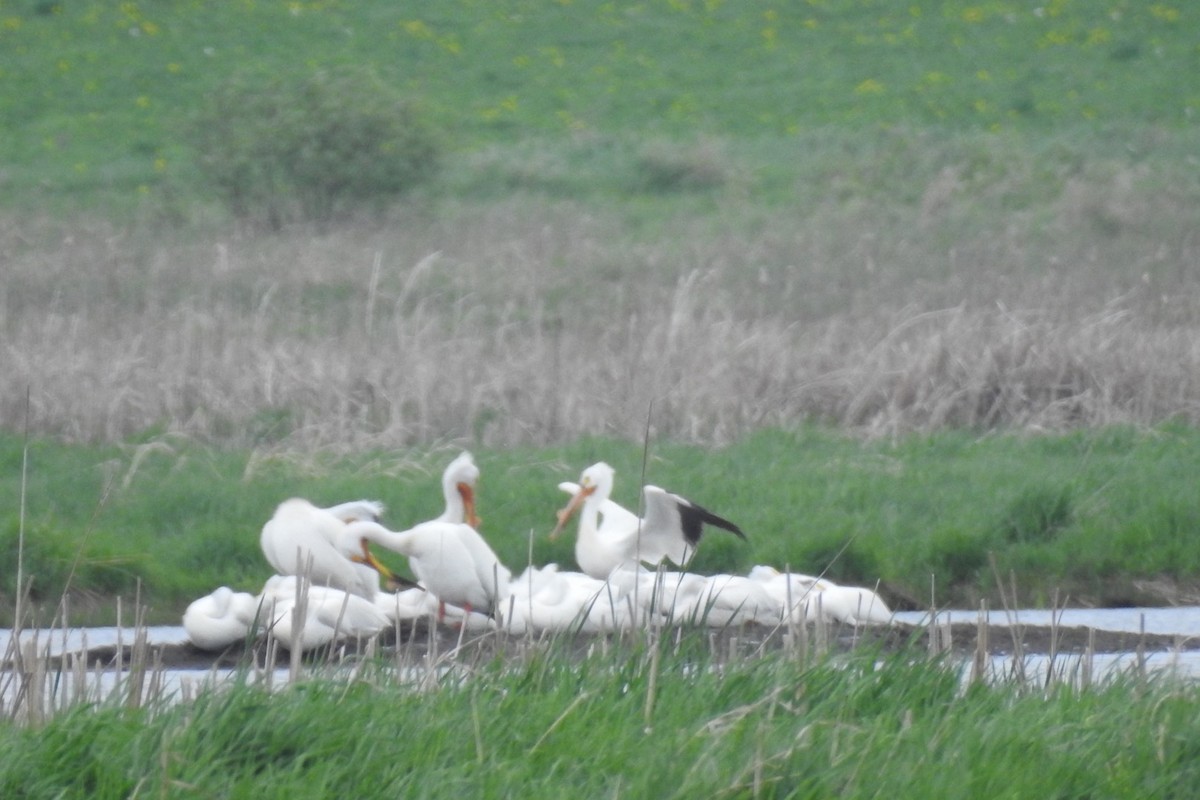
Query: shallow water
[[1176, 621], [1183, 621], [75, 639], [1179, 621]]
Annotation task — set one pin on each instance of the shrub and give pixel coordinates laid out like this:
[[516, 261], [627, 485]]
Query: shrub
[[286, 148], [666, 167]]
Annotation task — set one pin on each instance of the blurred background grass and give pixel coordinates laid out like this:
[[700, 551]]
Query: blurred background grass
[[1100, 517]]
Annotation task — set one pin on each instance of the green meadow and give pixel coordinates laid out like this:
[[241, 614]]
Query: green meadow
[[596, 98], [1093, 517]]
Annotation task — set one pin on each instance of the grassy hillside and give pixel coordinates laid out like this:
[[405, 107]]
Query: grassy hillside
[[97, 93]]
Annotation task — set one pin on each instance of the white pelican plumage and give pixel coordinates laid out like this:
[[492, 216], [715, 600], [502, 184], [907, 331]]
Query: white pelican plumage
[[812, 599], [545, 599], [793, 591], [329, 614], [220, 618], [730, 600], [611, 536], [302, 539], [450, 559], [687, 598], [458, 488], [416, 603], [853, 605]]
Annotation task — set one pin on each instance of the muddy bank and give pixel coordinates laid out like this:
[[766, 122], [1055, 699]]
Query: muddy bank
[[415, 643]]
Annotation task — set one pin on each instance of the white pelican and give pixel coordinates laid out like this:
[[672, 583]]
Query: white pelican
[[688, 598], [853, 605], [793, 591], [730, 600], [814, 599], [660, 594], [671, 529], [416, 603], [458, 487], [301, 538], [450, 559], [329, 614], [221, 618], [544, 599]]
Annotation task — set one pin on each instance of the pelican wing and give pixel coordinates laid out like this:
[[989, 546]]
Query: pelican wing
[[670, 517], [493, 576], [300, 538], [356, 510]]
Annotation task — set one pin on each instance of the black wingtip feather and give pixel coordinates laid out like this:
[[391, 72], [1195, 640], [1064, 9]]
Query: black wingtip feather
[[694, 518]]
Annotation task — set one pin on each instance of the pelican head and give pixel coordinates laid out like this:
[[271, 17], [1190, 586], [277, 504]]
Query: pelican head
[[460, 478], [595, 480]]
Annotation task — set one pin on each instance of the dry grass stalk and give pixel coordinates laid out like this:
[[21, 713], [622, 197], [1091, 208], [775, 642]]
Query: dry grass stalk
[[507, 326]]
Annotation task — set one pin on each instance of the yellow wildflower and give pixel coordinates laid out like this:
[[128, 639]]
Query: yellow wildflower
[[869, 86], [1164, 12]]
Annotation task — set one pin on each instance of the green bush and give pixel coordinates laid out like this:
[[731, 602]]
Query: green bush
[[312, 147]]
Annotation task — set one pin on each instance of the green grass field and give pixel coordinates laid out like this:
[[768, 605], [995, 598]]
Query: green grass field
[[587, 96], [1090, 517], [631, 725]]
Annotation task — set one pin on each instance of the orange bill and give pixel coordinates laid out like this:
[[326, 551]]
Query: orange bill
[[370, 560], [564, 514], [468, 496]]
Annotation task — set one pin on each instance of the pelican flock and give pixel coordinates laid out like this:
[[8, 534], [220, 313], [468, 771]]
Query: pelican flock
[[633, 572]]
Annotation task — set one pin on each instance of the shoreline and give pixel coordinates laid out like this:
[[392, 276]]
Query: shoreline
[[415, 645]]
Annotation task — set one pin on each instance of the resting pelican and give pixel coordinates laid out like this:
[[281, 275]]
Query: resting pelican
[[329, 614], [544, 599], [221, 618], [451, 560], [814, 599], [730, 600], [686, 598], [854, 605], [303, 539], [671, 529], [793, 591]]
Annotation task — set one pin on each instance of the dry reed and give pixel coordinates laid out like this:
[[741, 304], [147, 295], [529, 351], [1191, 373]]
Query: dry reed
[[505, 326]]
